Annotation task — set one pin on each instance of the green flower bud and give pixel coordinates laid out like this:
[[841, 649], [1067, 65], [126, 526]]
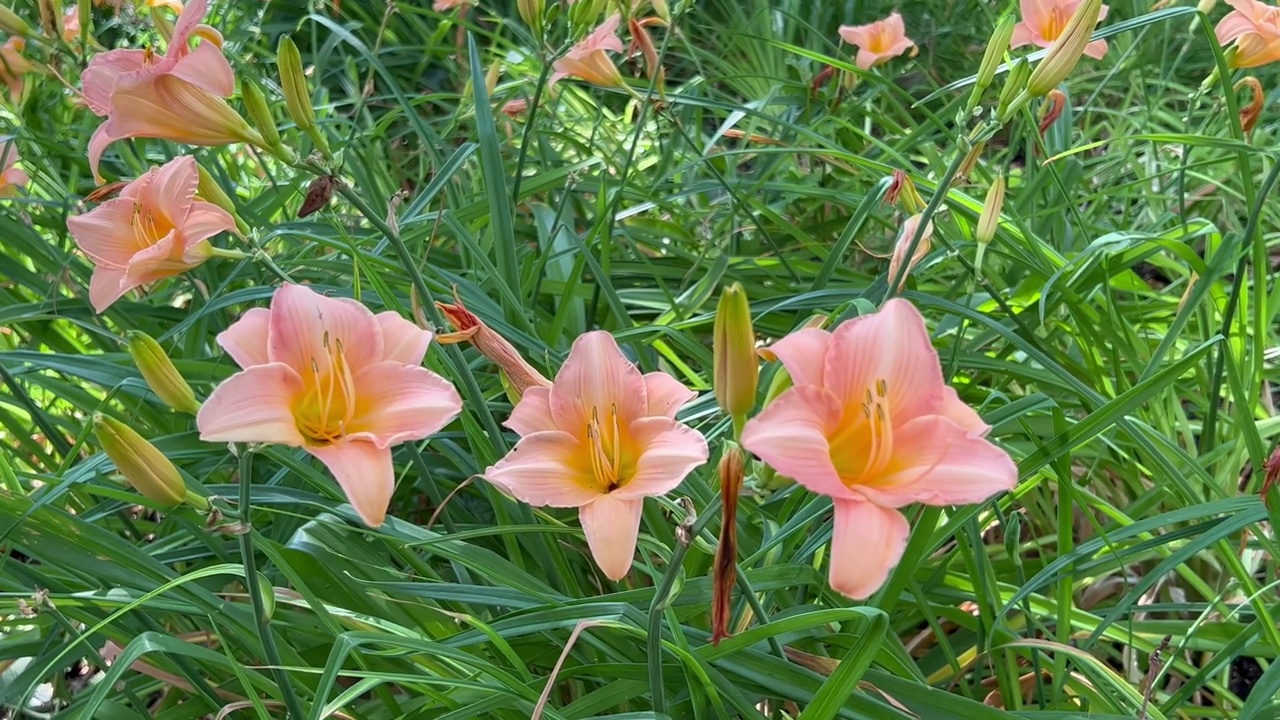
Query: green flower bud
[[141, 463], [737, 369], [1015, 86], [989, 220], [293, 82], [255, 102], [12, 24], [996, 47], [209, 190], [158, 370]]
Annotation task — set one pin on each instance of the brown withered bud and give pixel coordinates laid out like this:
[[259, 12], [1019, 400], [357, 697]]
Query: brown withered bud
[[822, 78], [318, 195], [471, 328], [1055, 103], [106, 191], [1250, 113], [1271, 475], [732, 467]]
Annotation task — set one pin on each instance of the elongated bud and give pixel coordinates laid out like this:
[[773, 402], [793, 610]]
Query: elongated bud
[[531, 12], [1015, 86], [969, 162], [491, 77], [996, 48], [51, 17], [737, 369], [500, 352], [725, 574], [1206, 6], [255, 102], [267, 593], [989, 220], [662, 10], [209, 190], [12, 24], [293, 83], [146, 469], [1066, 50], [158, 370], [903, 246]]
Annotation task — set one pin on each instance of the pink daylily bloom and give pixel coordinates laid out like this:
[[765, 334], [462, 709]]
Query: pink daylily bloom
[[443, 5], [1254, 27], [878, 42], [180, 96], [589, 60], [328, 376], [13, 66], [1044, 20], [155, 228], [602, 438], [870, 423], [11, 178]]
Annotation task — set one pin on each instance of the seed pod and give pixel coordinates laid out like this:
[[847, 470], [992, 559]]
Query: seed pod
[[159, 372], [146, 469], [318, 195]]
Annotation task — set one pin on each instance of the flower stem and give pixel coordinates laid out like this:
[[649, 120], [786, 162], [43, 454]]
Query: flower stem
[[255, 596]]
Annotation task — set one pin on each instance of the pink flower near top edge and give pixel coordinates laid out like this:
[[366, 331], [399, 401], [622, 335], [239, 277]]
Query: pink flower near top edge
[[878, 42], [589, 60], [1044, 20]]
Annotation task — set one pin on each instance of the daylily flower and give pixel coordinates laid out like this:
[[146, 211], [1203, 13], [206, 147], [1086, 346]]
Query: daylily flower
[[11, 178], [1255, 29], [878, 42], [155, 229], [870, 423], [443, 5], [13, 66], [328, 376], [602, 438], [179, 96], [589, 60], [1044, 20]]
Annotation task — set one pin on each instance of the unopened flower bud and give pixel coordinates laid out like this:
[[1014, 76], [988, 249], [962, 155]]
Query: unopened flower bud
[[500, 352], [209, 190], [158, 370], [725, 573], [51, 17], [1206, 6], [1067, 50], [142, 464], [531, 12], [968, 163], [267, 592], [255, 102], [902, 192], [662, 10], [491, 77], [737, 369], [996, 47], [12, 24], [989, 219], [899, 265], [1015, 86], [293, 83]]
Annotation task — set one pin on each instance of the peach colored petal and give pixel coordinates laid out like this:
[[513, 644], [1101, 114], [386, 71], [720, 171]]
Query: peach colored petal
[[106, 286], [105, 234], [804, 354], [595, 379], [612, 526], [867, 541], [99, 78], [1096, 49], [893, 346], [533, 413], [398, 403], [170, 189], [245, 340], [305, 324], [203, 221], [544, 469], [666, 394], [1234, 25], [189, 18], [1024, 34], [207, 68], [939, 463], [402, 341], [604, 37], [1037, 14], [365, 474], [254, 405], [853, 34], [668, 452], [958, 412], [791, 433], [161, 260]]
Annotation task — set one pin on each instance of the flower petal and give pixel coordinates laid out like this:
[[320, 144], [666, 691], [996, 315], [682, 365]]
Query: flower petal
[[867, 541], [867, 59], [1024, 34], [102, 137], [958, 412], [892, 346], [804, 354], [99, 78], [1232, 26], [204, 220], [402, 340], [170, 189], [544, 469], [666, 394], [397, 403], [365, 473], [207, 68], [595, 378], [246, 339], [106, 234], [1096, 49], [107, 285], [303, 321], [936, 462], [1037, 13], [533, 413], [853, 34], [612, 526], [667, 452], [791, 433], [254, 405]]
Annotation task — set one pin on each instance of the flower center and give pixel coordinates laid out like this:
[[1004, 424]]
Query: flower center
[[148, 228], [863, 449], [608, 461], [880, 41], [1055, 23], [325, 412]]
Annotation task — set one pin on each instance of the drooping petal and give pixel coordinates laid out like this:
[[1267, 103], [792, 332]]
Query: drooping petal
[[936, 462], [804, 354], [612, 526], [533, 413], [204, 220], [667, 452], [1232, 26], [170, 108], [106, 233], [867, 59], [402, 341], [604, 37], [106, 285], [595, 378], [545, 468], [892, 346], [666, 394], [958, 412], [161, 260], [397, 403], [192, 15], [304, 324], [854, 34], [254, 405], [98, 143], [867, 541], [791, 435], [365, 473], [245, 340]]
